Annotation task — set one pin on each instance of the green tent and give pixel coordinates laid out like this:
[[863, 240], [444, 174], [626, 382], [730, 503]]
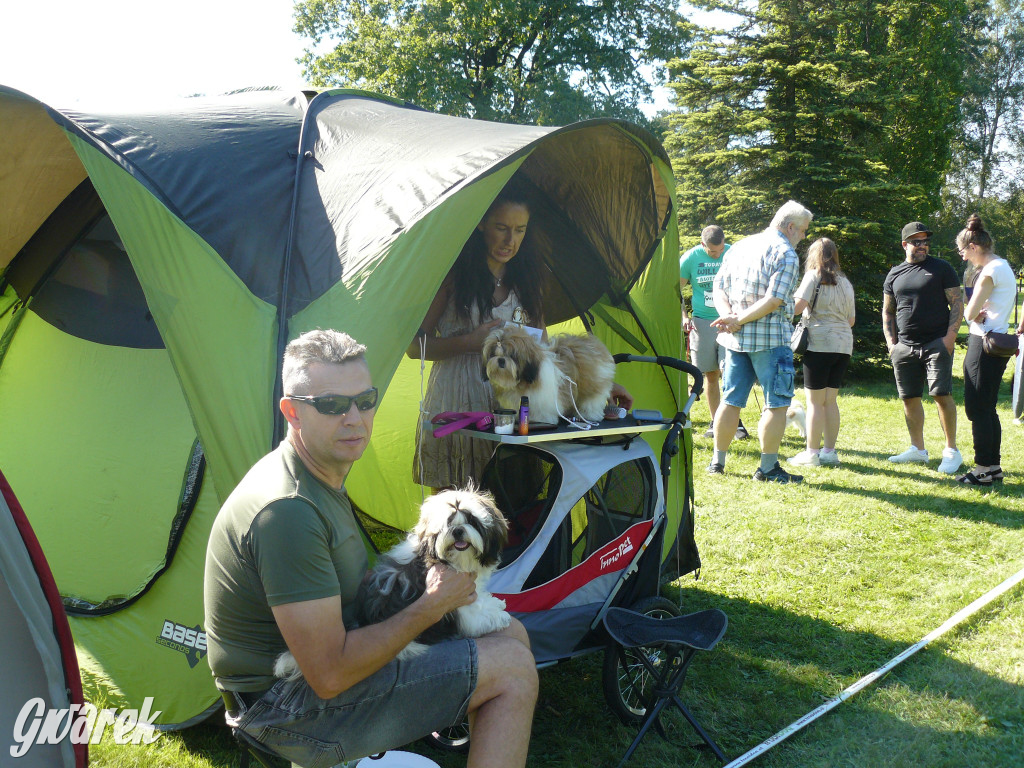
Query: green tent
[[154, 265]]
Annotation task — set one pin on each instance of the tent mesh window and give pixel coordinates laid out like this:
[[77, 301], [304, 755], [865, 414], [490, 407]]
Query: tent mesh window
[[77, 273], [95, 284]]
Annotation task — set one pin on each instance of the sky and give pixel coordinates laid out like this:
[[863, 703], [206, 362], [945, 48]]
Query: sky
[[88, 53], [85, 53]]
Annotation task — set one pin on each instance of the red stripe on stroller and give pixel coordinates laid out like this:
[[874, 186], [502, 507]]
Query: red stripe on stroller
[[612, 558]]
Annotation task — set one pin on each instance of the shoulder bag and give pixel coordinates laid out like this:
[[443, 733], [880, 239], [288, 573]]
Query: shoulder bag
[[802, 333], [1000, 344]]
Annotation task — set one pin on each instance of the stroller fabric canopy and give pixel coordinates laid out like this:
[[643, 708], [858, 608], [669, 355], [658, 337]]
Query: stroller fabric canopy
[[154, 265]]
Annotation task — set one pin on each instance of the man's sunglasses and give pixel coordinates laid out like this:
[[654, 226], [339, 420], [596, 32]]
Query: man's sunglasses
[[332, 405], [922, 241]]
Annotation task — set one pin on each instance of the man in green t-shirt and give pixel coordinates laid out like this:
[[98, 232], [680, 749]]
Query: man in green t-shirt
[[698, 267], [283, 564]]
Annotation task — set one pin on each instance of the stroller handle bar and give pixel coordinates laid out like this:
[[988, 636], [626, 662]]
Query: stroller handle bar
[[670, 447], [672, 362]]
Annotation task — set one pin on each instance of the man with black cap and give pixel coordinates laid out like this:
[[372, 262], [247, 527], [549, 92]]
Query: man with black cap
[[922, 307]]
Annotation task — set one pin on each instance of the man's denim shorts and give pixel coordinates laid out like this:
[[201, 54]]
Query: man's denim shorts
[[915, 364], [773, 369], [402, 702]]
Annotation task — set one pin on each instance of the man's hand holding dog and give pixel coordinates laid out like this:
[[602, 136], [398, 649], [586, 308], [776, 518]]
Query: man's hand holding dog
[[449, 589]]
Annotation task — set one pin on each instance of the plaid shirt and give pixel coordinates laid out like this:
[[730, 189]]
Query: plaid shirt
[[761, 265]]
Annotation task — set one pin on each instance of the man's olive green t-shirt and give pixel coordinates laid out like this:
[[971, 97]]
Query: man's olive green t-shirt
[[282, 536]]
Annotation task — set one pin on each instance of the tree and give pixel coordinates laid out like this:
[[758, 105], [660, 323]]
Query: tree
[[987, 173], [540, 61], [850, 108], [993, 102]]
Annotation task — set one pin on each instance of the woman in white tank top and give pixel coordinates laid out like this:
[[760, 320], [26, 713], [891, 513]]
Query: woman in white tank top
[[990, 307]]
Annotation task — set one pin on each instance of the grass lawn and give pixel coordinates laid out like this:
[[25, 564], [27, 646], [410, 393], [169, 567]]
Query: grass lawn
[[823, 583]]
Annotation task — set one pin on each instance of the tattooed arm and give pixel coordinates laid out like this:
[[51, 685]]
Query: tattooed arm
[[889, 320], [955, 298]]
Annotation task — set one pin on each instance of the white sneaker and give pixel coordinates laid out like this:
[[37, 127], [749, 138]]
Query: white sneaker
[[805, 459], [951, 461], [912, 454], [828, 458]]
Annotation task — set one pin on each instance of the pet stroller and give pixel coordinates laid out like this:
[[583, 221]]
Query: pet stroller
[[587, 520]]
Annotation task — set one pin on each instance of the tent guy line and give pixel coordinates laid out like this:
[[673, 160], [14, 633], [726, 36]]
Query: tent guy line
[[867, 680]]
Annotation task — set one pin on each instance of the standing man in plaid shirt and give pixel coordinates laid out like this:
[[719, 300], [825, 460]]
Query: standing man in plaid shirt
[[754, 297]]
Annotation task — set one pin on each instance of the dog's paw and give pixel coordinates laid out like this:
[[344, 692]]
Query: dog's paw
[[494, 620]]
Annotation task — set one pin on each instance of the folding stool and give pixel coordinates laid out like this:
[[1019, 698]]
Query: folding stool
[[678, 639]]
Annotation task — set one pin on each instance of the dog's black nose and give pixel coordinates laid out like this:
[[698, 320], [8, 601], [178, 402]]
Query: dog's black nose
[[501, 362]]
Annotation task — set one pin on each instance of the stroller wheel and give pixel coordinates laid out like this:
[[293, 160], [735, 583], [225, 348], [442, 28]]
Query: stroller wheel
[[626, 681], [452, 739]]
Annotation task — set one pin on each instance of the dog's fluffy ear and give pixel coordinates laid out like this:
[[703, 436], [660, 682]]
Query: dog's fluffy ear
[[529, 372], [425, 550], [488, 351]]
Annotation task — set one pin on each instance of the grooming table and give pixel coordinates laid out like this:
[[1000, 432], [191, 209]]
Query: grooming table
[[607, 428]]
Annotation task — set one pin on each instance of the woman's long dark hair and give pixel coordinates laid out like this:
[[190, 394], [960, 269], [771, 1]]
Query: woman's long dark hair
[[823, 258], [473, 282]]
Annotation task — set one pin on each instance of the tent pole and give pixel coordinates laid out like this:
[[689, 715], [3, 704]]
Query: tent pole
[[282, 305]]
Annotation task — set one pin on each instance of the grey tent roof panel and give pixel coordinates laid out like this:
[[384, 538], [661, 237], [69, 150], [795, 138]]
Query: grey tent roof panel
[[366, 169]]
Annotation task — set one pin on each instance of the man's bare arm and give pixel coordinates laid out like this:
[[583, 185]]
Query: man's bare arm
[[683, 282], [955, 298], [889, 320], [722, 306], [333, 659]]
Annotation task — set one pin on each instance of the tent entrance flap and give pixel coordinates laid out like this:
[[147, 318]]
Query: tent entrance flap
[[191, 485]]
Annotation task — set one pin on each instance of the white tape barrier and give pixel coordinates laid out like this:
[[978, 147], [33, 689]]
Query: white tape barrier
[[867, 680]]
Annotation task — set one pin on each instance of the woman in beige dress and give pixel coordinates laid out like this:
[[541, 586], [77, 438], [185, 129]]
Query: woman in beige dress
[[495, 280]]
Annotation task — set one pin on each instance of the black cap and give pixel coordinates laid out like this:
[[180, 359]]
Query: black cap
[[915, 228]]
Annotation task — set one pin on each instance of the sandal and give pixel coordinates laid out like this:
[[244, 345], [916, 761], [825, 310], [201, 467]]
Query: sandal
[[969, 478]]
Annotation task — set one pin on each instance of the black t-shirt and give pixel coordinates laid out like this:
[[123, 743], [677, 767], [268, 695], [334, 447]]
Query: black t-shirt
[[922, 310]]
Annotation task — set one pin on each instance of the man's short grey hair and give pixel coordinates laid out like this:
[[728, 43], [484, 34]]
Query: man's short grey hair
[[793, 212], [712, 235], [319, 346]]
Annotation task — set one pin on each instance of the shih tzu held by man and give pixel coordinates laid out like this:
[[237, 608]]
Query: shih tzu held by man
[[461, 529]]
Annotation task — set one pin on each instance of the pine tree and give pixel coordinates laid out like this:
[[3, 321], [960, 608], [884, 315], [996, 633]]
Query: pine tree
[[849, 108]]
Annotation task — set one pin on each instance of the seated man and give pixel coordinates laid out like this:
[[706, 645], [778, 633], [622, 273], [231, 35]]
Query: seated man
[[284, 561]]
